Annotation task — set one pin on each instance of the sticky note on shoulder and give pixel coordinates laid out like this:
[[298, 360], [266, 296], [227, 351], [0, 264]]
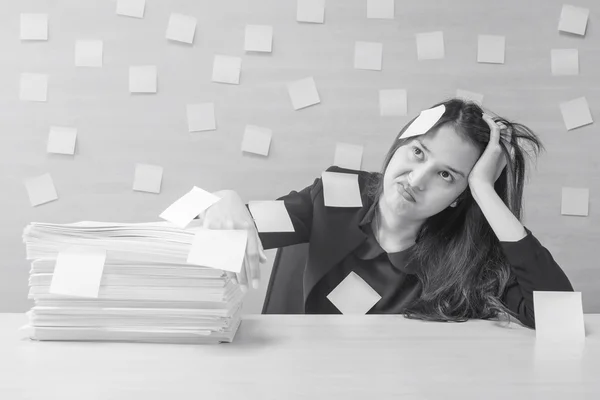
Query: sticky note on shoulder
[[219, 249], [424, 122], [341, 190], [558, 316], [78, 272], [271, 216], [353, 295], [185, 209]]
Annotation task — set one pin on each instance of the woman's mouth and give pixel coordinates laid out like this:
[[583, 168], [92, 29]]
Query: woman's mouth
[[405, 194]]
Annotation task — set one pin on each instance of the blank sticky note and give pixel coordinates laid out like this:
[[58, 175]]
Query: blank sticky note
[[368, 55], [147, 178], [40, 189], [181, 28], [271, 216], [393, 102], [189, 206], [490, 49], [310, 11], [348, 155], [353, 295], [219, 249], [88, 53], [34, 26], [34, 87], [227, 69], [201, 117], [573, 19], [78, 272], [576, 113], [575, 201], [380, 9], [61, 140], [257, 140], [468, 95], [303, 93], [558, 316], [258, 38], [424, 122], [341, 190], [142, 79], [131, 8], [564, 61], [430, 45]]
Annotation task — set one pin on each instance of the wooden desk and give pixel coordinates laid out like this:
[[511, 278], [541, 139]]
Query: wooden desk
[[309, 357]]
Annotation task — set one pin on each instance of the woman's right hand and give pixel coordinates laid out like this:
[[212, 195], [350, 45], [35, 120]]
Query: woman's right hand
[[231, 213]]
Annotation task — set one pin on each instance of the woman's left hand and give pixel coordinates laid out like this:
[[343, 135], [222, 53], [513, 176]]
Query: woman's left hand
[[491, 163]]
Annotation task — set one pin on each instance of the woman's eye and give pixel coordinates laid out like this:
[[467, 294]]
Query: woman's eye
[[418, 151], [446, 172], [415, 149]]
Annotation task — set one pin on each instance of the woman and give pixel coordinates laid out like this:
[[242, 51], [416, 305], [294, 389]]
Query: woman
[[438, 236]]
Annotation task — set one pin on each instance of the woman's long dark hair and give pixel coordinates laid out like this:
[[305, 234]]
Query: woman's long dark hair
[[464, 271]]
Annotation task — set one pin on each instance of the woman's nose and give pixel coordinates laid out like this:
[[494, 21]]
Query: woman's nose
[[417, 178]]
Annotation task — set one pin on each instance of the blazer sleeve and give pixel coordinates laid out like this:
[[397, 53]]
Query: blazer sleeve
[[299, 206], [533, 268]]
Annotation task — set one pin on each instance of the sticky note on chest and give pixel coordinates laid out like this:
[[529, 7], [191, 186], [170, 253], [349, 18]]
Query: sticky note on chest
[[353, 295]]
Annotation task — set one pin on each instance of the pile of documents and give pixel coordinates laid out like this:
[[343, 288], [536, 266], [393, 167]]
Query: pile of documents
[[128, 282]]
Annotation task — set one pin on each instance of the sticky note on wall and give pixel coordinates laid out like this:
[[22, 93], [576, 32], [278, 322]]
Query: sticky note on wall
[[61, 140], [41, 189], [34, 26], [575, 201]]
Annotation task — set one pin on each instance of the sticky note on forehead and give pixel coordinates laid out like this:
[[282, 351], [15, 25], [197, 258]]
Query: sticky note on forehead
[[424, 122]]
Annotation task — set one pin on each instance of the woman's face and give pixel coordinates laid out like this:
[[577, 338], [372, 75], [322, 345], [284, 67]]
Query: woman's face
[[435, 167]]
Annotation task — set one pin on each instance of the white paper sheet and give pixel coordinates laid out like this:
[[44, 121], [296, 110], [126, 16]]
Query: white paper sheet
[[558, 316], [190, 205]]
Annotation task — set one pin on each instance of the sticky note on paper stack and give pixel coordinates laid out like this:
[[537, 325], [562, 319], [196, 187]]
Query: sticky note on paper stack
[[573, 19], [219, 249], [61, 140], [575, 201], [189, 206], [105, 281], [491, 49], [41, 189], [341, 190], [257, 140], [430, 45], [353, 295], [558, 316], [303, 93], [368, 55], [181, 28], [310, 11], [576, 113], [271, 216], [34, 26]]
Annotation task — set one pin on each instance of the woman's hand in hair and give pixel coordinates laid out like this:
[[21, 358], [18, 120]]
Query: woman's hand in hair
[[491, 163], [231, 213]]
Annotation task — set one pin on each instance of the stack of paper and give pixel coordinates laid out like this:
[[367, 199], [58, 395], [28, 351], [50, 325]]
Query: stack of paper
[[126, 282]]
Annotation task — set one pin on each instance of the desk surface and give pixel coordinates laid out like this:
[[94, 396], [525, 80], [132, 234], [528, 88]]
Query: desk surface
[[309, 357]]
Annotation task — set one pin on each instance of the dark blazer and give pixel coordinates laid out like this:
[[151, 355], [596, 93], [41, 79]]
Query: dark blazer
[[334, 232]]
